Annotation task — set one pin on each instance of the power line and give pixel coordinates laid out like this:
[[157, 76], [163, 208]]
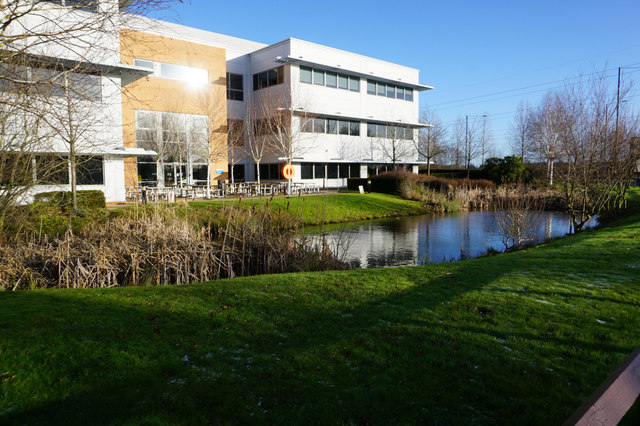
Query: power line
[[528, 87], [544, 68]]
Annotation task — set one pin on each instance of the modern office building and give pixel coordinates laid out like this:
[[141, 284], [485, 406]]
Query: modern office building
[[207, 103]]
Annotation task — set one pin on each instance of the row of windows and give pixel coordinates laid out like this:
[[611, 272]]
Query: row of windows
[[50, 82], [329, 79], [192, 75], [389, 132], [330, 126], [329, 170], [88, 5], [389, 90], [51, 169], [343, 127], [268, 78], [172, 174], [235, 88]]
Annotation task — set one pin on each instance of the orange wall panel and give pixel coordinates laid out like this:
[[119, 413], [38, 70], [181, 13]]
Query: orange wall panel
[[159, 94]]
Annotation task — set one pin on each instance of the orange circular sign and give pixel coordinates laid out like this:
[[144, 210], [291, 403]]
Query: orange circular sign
[[288, 171]]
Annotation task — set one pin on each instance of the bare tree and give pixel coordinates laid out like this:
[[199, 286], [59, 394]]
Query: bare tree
[[472, 141], [486, 144], [213, 103], [398, 146], [282, 124], [257, 139], [54, 48], [431, 140], [520, 132], [545, 126], [581, 126], [236, 146], [517, 219]]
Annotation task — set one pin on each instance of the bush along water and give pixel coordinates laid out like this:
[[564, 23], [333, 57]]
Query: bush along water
[[443, 195]]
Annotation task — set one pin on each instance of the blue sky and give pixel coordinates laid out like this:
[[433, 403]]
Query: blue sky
[[481, 57]]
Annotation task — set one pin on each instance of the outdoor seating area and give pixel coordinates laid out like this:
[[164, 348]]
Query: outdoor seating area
[[170, 194]]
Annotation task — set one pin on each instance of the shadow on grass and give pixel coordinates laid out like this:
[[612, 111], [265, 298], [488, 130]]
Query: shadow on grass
[[421, 348]]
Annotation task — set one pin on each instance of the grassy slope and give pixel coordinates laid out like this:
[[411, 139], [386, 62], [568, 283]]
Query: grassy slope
[[521, 338], [333, 208]]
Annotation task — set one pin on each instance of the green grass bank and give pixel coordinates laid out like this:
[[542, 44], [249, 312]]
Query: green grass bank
[[331, 208], [519, 338]]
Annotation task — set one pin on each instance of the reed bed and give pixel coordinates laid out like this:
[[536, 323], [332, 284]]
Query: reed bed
[[447, 195], [161, 249]]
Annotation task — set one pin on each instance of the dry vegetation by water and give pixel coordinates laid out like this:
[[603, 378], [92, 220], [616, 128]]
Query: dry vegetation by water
[[161, 249], [447, 195]]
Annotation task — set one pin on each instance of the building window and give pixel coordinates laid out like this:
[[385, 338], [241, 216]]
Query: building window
[[332, 171], [389, 131], [318, 77], [89, 170], [354, 170], [343, 127], [318, 171], [48, 82], [354, 84], [332, 79], [331, 126], [318, 125], [371, 87], [329, 79], [343, 82], [88, 5], [191, 75], [354, 128], [235, 88], [52, 169], [371, 130], [306, 171], [181, 142], [270, 171], [305, 74], [389, 90], [268, 78]]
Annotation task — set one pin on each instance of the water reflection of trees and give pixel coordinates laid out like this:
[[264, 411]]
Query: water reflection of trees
[[430, 238]]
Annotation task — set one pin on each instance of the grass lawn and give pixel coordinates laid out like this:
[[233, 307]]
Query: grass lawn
[[332, 208], [520, 338]]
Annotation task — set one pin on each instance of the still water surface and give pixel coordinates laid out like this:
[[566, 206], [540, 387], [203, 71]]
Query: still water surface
[[417, 240]]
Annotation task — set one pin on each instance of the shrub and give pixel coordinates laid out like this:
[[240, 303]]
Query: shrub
[[90, 200], [509, 169]]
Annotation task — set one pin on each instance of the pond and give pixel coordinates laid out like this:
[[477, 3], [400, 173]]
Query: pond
[[418, 240]]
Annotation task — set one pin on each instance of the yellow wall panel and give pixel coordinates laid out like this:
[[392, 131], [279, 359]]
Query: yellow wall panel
[[159, 94]]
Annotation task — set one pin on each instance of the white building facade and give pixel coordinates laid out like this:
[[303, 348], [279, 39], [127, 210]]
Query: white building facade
[[352, 116], [348, 115], [73, 57]]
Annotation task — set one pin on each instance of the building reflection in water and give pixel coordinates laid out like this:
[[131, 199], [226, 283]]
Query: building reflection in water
[[418, 240]]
